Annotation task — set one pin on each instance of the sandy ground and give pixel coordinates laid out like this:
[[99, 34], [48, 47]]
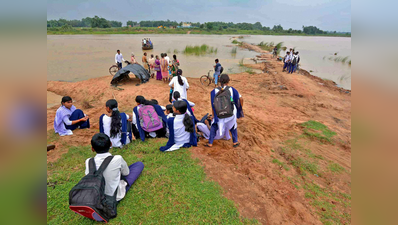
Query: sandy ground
[[275, 103]]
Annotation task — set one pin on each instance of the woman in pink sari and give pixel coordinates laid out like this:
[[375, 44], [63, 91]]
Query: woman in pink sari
[[165, 71], [157, 69]]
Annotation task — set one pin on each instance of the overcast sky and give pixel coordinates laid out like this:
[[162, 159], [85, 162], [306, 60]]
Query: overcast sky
[[325, 14]]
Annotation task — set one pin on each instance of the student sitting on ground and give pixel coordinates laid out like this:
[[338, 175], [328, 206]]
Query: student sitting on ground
[[181, 128], [177, 96], [117, 175], [115, 125], [68, 118], [169, 114], [149, 119], [155, 102], [204, 127], [226, 103]]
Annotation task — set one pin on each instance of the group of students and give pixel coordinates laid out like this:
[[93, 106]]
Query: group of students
[[176, 122], [291, 60]]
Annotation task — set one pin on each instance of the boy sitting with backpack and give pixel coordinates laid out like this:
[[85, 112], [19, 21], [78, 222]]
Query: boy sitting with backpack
[[107, 180]]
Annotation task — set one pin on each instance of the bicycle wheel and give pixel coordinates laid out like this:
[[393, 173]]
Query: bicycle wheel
[[205, 80], [113, 70]]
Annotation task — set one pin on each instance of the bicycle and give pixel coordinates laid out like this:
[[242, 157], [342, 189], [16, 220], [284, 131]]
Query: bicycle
[[207, 79], [113, 70]]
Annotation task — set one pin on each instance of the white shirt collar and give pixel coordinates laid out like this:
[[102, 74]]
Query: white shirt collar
[[103, 155]]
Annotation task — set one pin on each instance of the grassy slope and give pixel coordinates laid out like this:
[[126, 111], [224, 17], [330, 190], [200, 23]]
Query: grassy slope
[[153, 30], [172, 189]]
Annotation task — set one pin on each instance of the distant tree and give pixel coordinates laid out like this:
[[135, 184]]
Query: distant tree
[[132, 23], [209, 26], [220, 28], [202, 26], [257, 26], [115, 23], [277, 28], [312, 30]]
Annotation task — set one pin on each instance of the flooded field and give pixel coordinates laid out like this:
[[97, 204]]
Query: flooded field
[[80, 57]]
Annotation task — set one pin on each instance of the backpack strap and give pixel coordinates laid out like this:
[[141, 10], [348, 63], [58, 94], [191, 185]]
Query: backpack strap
[[91, 166], [124, 128], [101, 124], [105, 164]]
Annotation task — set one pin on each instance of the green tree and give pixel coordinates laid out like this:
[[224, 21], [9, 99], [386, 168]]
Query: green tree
[[277, 28], [257, 26], [209, 26]]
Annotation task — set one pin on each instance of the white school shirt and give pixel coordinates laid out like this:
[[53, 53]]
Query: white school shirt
[[119, 58], [116, 141], [112, 174], [287, 58], [180, 135], [225, 124], [182, 89]]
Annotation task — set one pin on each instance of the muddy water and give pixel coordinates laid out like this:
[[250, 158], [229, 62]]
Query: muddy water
[[53, 99], [80, 57]]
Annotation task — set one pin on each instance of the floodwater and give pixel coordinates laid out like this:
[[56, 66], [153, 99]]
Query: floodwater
[[80, 57]]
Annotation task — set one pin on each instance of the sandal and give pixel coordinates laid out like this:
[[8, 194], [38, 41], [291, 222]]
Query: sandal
[[236, 145], [208, 146]]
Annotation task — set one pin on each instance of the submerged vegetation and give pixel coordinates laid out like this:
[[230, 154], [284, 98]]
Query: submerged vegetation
[[199, 50], [344, 60], [234, 50], [269, 46]]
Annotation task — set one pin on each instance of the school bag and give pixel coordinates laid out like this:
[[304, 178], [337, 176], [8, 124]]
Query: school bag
[[149, 120], [222, 69], [88, 197], [223, 103], [294, 61]]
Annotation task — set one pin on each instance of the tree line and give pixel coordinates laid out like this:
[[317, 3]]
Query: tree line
[[97, 22]]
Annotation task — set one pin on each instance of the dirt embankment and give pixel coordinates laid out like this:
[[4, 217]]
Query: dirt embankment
[[275, 104]]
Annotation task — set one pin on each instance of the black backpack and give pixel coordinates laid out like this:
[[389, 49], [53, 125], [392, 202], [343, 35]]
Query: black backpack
[[88, 197], [294, 62], [223, 104], [221, 70]]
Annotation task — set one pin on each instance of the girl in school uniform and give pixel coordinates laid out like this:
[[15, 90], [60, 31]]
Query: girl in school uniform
[[68, 118], [115, 124], [177, 97], [221, 126], [180, 84], [181, 129], [140, 132]]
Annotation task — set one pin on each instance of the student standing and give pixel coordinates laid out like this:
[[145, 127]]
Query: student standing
[[68, 118], [119, 59], [217, 71], [180, 84], [286, 61], [293, 63], [225, 120]]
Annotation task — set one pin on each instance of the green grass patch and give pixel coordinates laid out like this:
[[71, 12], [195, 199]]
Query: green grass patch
[[250, 71], [172, 189], [235, 41], [305, 165], [336, 168], [317, 130], [199, 50], [281, 164], [312, 155], [52, 136]]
